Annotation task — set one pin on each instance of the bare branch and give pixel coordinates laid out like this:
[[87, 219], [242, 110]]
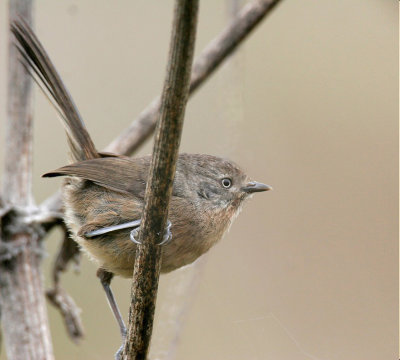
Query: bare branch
[[208, 61], [23, 306], [69, 251], [69, 311], [17, 180], [159, 187], [53, 207], [223, 45], [180, 293]]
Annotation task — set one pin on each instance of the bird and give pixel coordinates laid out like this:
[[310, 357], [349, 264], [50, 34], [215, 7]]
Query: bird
[[103, 193]]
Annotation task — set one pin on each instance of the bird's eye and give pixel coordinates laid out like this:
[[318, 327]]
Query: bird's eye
[[226, 183]]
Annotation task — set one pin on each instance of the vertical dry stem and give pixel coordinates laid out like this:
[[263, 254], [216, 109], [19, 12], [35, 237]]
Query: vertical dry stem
[[159, 186], [23, 307]]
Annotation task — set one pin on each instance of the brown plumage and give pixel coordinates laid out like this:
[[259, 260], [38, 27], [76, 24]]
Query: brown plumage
[[108, 191]]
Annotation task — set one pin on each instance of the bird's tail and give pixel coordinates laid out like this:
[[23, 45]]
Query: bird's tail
[[39, 65]]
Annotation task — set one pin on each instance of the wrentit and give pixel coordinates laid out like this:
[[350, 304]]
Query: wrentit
[[103, 194], [207, 195]]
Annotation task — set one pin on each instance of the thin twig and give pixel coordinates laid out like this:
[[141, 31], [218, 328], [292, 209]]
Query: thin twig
[[159, 187], [23, 306], [69, 251], [69, 311]]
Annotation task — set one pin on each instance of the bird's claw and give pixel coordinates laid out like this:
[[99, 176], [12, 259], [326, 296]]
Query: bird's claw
[[134, 233], [167, 234], [118, 354], [166, 238]]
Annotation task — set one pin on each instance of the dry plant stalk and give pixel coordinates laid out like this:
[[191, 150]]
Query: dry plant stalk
[[23, 305], [161, 175]]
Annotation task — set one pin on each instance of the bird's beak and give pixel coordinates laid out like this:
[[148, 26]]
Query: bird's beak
[[254, 186]]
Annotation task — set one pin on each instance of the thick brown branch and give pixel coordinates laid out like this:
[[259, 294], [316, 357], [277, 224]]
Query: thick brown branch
[[23, 307], [159, 186], [17, 179]]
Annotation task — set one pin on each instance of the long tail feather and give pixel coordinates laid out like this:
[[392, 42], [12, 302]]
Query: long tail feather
[[39, 65]]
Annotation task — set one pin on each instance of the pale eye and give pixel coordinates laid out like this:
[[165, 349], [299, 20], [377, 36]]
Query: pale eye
[[226, 183]]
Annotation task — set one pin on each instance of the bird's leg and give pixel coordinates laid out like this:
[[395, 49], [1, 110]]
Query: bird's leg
[[105, 279], [166, 239]]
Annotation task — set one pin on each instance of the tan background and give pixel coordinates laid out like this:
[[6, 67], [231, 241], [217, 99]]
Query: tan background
[[308, 271]]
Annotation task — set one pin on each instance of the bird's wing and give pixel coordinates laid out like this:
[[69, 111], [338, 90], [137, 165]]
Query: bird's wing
[[121, 174]]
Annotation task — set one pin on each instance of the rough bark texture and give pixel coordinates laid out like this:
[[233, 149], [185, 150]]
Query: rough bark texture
[[23, 307], [159, 186]]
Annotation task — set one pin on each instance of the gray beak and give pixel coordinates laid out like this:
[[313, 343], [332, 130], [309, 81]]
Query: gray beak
[[254, 186]]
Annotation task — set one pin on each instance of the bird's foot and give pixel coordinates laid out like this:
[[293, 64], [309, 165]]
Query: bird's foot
[[166, 238], [118, 354]]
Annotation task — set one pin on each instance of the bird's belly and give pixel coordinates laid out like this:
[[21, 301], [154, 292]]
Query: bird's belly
[[117, 255]]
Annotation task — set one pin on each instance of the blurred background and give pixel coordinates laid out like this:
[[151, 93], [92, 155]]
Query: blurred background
[[308, 105]]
